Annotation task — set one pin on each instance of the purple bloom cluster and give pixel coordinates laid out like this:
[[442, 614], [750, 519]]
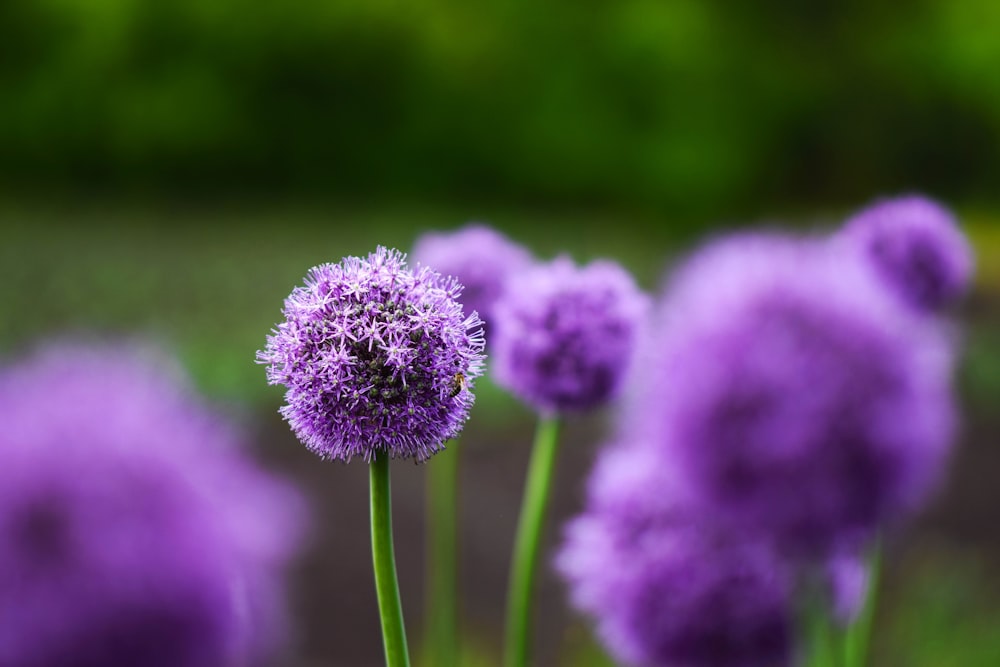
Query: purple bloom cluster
[[565, 335], [667, 590], [790, 406], [133, 530], [375, 358], [479, 257], [785, 372], [916, 246]]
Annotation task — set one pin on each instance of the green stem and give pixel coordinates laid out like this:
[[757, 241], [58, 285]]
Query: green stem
[[384, 561], [823, 648], [858, 636], [442, 559], [529, 530]]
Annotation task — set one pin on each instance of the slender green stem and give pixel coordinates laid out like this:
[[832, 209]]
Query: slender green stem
[[822, 644], [384, 561], [529, 530], [858, 636], [442, 559], [814, 623]]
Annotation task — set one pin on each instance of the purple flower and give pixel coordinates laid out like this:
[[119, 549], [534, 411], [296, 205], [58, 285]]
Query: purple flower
[[847, 580], [479, 257], [668, 591], [632, 480], [133, 531], [794, 395], [565, 336], [916, 247], [375, 358]]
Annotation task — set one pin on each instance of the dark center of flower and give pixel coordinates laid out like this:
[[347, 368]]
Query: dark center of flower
[[392, 360]]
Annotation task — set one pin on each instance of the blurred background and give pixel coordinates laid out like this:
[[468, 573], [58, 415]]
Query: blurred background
[[173, 169]]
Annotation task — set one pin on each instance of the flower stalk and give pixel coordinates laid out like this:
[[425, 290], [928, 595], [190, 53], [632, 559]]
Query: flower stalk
[[384, 562], [442, 560], [526, 545]]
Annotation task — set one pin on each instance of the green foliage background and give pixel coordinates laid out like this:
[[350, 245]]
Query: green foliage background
[[701, 108]]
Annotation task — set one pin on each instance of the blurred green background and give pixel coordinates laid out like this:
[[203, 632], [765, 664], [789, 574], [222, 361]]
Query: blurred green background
[[700, 110], [172, 169]]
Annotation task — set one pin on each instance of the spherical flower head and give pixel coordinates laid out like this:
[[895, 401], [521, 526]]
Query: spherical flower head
[[916, 247], [634, 481], [479, 257], [565, 336], [676, 595], [376, 358], [795, 395], [133, 531]]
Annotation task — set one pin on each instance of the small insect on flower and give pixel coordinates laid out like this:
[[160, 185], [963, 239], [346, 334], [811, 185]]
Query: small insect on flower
[[457, 385]]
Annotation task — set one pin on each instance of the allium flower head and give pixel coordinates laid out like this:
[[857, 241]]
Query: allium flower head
[[632, 480], [132, 529], [375, 358], [795, 395], [565, 336], [916, 247], [480, 257], [670, 593]]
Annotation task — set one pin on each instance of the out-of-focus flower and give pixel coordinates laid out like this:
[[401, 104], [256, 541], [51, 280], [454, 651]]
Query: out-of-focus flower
[[565, 336], [794, 395], [666, 590], [847, 578], [376, 358], [916, 247], [479, 257], [133, 530]]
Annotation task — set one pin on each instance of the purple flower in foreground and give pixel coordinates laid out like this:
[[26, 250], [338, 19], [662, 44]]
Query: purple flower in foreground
[[375, 358], [132, 529], [794, 395], [479, 257], [664, 590], [565, 336], [916, 247]]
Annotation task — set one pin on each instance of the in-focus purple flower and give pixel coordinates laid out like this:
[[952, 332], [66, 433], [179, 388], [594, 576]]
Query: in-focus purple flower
[[916, 247], [666, 590], [479, 257], [795, 395], [375, 358], [565, 336], [133, 531]]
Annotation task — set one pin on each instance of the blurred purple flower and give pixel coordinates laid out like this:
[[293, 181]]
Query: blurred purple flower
[[375, 358], [794, 395], [565, 336], [133, 531], [847, 577], [916, 246], [664, 589], [631, 480], [479, 257]]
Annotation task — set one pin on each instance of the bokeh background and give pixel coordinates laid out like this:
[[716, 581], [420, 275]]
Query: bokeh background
[[171, 170]]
